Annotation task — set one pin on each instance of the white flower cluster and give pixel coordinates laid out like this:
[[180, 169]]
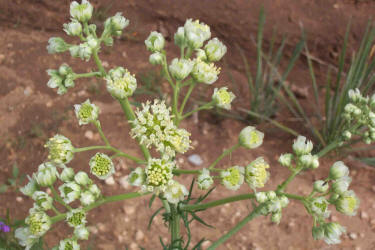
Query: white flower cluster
[[60, 149], [154, 126], [273, 204], [101, 166], [223, 98], [360, 111], [62, 79], [250, 137], [114, 26], [86, 112], [256, 174], [120, 83]]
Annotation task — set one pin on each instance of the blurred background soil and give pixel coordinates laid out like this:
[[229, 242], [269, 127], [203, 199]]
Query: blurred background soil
[[30, 112]]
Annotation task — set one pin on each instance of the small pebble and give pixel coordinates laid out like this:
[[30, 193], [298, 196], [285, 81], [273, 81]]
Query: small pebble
[[195, 159], [49, 104], [129, 209], [372, 222], [101, 227], [139, 235], [92, 229], [124, 182], [110, 181], [19, 199], [334, 218], [105, 64], [373, 188], [364, 215], [82, 93], [2, 58], [133, 246], [28, 91], [181, 160], [362, 235], [89, 134], [206, 244], [353, 236]]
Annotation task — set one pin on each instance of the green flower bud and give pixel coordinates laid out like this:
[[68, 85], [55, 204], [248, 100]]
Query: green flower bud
[[101, 166], [82, 178], [156, 58], [60, 149], [301, 146], [158, 174], [81, 233], [321, 186], [318, 233], [120, 83], [223, 98], [338, 170], [57, 45], [284, 201], [286, 160], [70, 191], [67, 175], [309, 161], [92, 42], [81, 12], [232, 178], [215, 50], [341, 185], [83, 51], [155, 42], [271, 195], [332, 233], [179, 37], [201, 55], [114, 25], [256, 174], [39, 223], [196, 33], [347, 203], [180, 68], [175, 192], [73, 28], [42, 200], [46, 175], [76, 217], [276, 217], [69, 244], [87, 198], [347, 135], [204, 179], [250, 137], [205, 72], [354, 95], [86, 112], [137, 177], [261, 197], [93, 188], [30, 187]]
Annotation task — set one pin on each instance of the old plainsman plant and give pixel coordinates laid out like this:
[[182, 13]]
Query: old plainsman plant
[[155, 125]]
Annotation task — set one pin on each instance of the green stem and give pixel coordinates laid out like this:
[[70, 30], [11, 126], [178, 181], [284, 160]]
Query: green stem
[[89, 74], [190, 90], [100, 202], [98, 62], [208, 105], [77, 150], [55, 210], [99, 127], [328, 148], [130, 116], [175, 228], [166, 71], [182, 171], [198, 207], [176, 91], [117, 151], [237, 228], [225, 153], [292, 196], [283, 185], [188, 53]]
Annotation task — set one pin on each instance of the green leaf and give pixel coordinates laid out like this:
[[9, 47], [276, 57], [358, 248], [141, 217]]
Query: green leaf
[[3, 188], [15, 170], [152, 217], [151, 200], [369, 161]]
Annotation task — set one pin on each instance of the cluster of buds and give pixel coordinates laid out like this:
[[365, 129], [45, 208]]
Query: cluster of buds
[[120, 83], [113, 26], [204, 180], [61, 150], [62, 79], [302, 155], [359, 115], [272, 204], [154, 126]]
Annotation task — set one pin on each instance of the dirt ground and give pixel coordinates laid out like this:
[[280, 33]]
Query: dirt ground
[[30, 113]]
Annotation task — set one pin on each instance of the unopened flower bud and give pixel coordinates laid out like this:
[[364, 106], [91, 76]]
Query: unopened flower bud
[[46, 174], [276, 217], [42, 200], [137, 177], [180, 68], [93, 188], [204, 180], [223, 98], [82, 178], [341, 185], [155, 42], [87, 198], [179, 37], [271, 195], [286, 160], [205, 72], [261, 197], [338, 170], [201, 55], [175, 192], [156, 58], [284, 201], [321, 186], [30, 187], [347, 203], [215, 50], [347, 135], [92, 42], [332, 232], [73, 28], [301, 146], [81, 12], [81, 233], [250, 137], [57, 45], [70, 191], [318, 233], [67, 174]]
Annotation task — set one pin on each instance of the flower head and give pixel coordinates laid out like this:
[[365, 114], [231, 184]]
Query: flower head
[[82, 178], [81, 232], [341, 185], [83, 50], [60, 149], [114, 25], [69, 244], [250, 137], [87, 198], [181, 68], [120, 83], [158, 174], [233, 177], [286, 160], [38, 223], [30, 187], [156, 58], [332, 232], [309, 161], [93, 188], [179, 37], [215, 50], [155, 42], [62, 79], [81, 12], [261, 197], [57, 45], [67, 175], [301, 146], [42, 200], [338, 170], [321, 186], [204, 180], [205, 72], [25, 238], [86, 112], [320, 207], [70, 191], [223, 98], [154, 126], [256, 174], [137, 177], [196, 33], [46, 174], [101, 166], [76, 217], [347, 203], [175, 192], [4, 227], [74, 28]]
